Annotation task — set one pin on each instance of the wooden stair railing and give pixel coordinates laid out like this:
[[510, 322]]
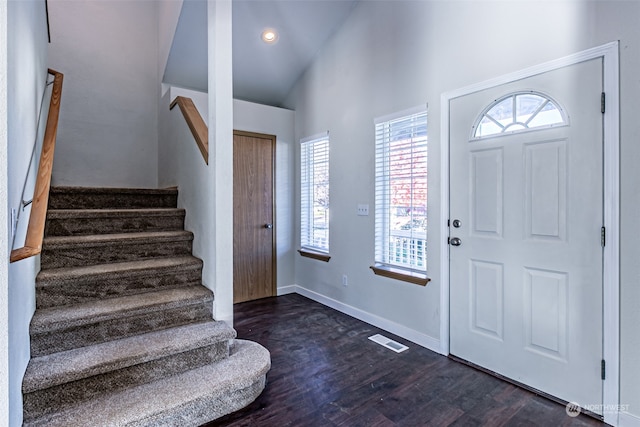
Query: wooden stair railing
[[35, 229], [197, 125]]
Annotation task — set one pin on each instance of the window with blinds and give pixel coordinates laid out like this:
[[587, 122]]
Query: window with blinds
[[401, 190], [314, 205]]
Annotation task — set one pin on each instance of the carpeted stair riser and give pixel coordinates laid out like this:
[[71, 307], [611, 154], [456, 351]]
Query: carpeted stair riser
[[73, 365], [197, 413], [82, 222], [60, 397], [54, 381], [192, 398], [55, 288], [230, 397], [55, 338], [123, 333], [57, 252], [225, 403], [110, 198]]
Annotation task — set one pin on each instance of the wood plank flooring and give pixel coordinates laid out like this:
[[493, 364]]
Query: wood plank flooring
[[325, 372]]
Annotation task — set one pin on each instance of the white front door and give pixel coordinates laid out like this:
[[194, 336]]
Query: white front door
[[526, 277]]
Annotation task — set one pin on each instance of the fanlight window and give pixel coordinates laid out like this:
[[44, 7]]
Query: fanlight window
[[518, 112]]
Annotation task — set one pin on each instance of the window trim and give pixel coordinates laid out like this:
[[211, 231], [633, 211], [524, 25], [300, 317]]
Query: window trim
[[308, 253], [399, 273], [393, 271], [308, 250]]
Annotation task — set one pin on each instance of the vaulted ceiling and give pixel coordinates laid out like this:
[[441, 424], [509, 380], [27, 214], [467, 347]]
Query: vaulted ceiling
[[262, 73]]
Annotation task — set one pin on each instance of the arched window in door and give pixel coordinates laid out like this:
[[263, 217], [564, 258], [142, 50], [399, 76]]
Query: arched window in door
[[519, 112]]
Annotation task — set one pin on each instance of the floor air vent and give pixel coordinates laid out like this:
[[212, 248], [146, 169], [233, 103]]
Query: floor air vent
[[389, 343]]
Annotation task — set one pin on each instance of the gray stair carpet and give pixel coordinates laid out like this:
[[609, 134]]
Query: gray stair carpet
[[123, 333]]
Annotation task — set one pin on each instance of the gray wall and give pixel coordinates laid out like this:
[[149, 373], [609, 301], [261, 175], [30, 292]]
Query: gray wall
[[251, 117], [26, 76], [390, 56], [4, 226], [181, 164], [108, 51]]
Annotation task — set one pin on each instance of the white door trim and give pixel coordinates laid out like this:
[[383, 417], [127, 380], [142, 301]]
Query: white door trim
[[611, 268]]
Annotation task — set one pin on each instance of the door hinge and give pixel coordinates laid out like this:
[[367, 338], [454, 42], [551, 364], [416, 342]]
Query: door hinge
[[602, 369], [603, 236], [602, 103]]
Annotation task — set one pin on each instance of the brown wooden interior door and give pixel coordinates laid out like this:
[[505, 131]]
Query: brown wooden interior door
[[254, 267]]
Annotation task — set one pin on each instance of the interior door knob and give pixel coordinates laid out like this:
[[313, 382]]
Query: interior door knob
[[268, 226], [455, 241]]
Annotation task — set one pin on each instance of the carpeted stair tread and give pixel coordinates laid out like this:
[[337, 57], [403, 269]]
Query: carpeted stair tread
[[70, 251], [109, 198], [80, 191], [66, 242], [56, 318], [123, 332], [188, 399], [105, 213], [120, 269], [71, 365], [78, 222], [73, 285]]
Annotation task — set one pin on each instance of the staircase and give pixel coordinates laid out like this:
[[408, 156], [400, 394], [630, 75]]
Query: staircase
[[123, 333]]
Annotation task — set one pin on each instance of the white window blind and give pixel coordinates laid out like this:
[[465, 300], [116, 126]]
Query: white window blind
[[314, 206], [401, 190]]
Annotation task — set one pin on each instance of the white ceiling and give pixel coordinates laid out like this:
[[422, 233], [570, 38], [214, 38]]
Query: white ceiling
[[262, 73]]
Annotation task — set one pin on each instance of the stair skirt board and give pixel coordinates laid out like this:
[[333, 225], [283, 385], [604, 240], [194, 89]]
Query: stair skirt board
[[123, 332]]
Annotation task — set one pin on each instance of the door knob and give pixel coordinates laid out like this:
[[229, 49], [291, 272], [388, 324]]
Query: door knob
[[455, 241], [268, 226]]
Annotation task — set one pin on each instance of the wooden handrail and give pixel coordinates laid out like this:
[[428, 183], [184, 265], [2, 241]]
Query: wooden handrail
[[198, 127], [35, 230]]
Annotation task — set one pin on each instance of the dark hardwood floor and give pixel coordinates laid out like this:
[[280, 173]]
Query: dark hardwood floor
[[325, 372]]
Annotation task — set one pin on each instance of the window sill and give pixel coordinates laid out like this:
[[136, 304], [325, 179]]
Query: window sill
[[401, 274], [314, 254]]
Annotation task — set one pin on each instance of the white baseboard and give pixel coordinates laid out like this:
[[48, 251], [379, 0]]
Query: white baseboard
[[626, 419], [284, 290], [382, 323]]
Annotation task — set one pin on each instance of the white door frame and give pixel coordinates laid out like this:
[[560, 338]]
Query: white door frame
[[611, 185]]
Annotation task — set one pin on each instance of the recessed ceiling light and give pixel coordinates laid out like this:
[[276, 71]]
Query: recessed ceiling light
[[269, 36]]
